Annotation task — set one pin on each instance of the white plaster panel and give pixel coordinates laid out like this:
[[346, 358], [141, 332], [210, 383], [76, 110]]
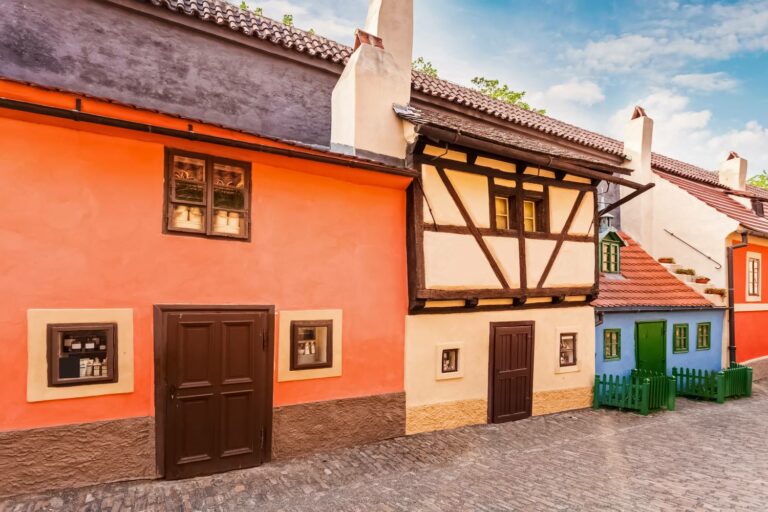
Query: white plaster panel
[[670, 207], [496, 164], [445, 153], [424, 332], [506, 250], [473, 191], [561, 202], [574, 265], [37, 347], [544, 173], [537, 253], [453, 261], [437, 201]]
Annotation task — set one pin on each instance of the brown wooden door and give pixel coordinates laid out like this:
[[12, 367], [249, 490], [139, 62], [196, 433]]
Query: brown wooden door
[[218, 391], [511, 371]]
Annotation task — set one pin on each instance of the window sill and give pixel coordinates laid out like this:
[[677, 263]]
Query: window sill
[[568, 369]]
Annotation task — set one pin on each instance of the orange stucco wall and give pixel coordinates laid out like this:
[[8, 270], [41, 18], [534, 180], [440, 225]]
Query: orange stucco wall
[[751, 337], [81, 228]]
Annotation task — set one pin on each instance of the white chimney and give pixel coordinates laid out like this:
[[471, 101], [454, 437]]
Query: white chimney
[[377, 76], [637, 215], [733, 172]]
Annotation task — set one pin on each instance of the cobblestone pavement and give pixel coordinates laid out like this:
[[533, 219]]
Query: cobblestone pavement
[[703, 457]]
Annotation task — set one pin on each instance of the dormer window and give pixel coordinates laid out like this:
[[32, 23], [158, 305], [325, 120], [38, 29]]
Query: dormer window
[[610, 253]]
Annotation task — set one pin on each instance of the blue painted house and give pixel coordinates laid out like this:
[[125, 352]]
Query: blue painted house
[[647, 318]]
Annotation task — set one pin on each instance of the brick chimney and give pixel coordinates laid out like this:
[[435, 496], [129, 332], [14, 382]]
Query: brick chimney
[[733, 172], [377, 76], [637, 216]]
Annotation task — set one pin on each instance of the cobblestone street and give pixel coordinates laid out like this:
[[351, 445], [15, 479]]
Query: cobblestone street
[[703, 457]]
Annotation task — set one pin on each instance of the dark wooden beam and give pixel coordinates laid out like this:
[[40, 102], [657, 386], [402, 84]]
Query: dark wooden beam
[[472, 228], [561, 238], [504, 233], [540, 160], [522, 264], [624, 199], [496, 173], [497, 293]]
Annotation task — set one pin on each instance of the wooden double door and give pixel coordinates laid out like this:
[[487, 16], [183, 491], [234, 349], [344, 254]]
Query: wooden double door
[[213, 388], [510, 386]]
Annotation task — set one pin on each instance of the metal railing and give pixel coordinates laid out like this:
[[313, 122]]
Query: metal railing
[[718, 264]]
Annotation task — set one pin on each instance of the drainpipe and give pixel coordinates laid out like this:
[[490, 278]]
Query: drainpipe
[[731, 309]]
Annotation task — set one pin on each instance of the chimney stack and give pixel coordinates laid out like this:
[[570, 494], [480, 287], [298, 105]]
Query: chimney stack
[[637, 216], [377, 76], [733, 172]]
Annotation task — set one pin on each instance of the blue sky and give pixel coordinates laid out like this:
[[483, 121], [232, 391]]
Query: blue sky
[[699, 68]]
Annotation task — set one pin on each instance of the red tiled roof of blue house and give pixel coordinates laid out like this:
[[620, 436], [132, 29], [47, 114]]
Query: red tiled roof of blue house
[[644, 283], [250, 24]]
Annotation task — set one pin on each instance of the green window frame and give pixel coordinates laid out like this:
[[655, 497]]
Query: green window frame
[[610, 256], [703, 336], [679, 338], [612, 344]]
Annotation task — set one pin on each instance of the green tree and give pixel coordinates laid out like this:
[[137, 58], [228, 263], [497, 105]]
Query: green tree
[[760, 180], [503, 93], [243, 5], [288, 20], [424, 66], [258, 11]]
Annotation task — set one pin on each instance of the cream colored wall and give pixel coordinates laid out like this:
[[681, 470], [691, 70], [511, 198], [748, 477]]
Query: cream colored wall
[[561, 202], [574, 265], [506, 250], [453, 261], [472, 330], [693, 221]]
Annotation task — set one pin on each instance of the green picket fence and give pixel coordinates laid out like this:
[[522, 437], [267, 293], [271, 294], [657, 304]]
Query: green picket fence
[[732, 382], [662, 392], [641, 391]]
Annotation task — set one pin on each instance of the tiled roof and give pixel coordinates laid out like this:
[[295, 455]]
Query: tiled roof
[[437, 87], [226, 14], [644, 282], [490, 132], [229, 15], [719, 199], [685, 170]]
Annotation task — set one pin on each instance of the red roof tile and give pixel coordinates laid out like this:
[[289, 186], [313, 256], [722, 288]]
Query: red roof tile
[[644, 282]]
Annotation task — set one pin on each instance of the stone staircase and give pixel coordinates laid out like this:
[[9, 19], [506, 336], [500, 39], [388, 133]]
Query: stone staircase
[[700, 288]]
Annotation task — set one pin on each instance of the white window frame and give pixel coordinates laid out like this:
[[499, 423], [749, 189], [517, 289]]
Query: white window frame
[[759, 257]]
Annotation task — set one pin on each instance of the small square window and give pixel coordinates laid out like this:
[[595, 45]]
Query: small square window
[[703, 336], [568, 349], [311, 344], [450, 360], [81, 354], [680, 338], [611, 344]]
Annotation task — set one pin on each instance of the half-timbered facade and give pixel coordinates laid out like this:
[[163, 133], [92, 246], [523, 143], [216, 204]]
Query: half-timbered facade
[[502, 251]]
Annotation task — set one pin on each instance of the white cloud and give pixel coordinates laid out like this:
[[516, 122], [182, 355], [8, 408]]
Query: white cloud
[[688, 135], [674, 35], [582, 92], [707, 82]]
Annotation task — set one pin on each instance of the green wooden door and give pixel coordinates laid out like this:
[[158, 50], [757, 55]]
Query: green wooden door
[[651, 349]]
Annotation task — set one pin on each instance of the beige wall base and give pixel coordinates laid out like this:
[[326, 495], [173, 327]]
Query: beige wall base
[[427, 418], [69, 456], [548, 402]]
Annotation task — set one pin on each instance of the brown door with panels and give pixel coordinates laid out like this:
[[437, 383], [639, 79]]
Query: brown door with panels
[[217, 394], [510, 387]]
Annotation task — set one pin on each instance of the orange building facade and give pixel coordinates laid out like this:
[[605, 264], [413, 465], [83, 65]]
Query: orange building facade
[[751, 300], [316, 285]]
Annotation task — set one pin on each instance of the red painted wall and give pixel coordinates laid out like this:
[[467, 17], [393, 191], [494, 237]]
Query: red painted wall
[[751, 326], [81, 228]]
